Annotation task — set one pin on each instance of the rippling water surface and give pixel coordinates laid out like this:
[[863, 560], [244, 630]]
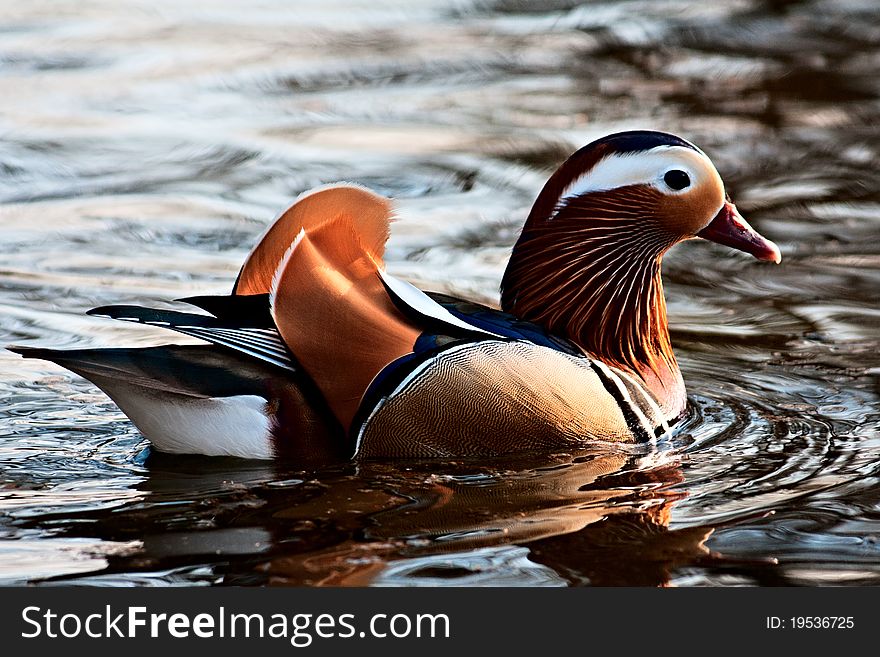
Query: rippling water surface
[[145, 145]]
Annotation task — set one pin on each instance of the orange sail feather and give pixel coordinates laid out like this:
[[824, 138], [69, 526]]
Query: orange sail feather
[[328, 299], [370, 212]]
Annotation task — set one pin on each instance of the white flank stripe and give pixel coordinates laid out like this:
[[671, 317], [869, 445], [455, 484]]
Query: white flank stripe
[[661, 419], [646, 424]]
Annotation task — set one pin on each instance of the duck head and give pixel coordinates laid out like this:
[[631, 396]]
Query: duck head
[[587, 265]]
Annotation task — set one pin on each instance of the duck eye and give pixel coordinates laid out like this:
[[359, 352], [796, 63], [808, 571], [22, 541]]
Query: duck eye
[[677, 179]]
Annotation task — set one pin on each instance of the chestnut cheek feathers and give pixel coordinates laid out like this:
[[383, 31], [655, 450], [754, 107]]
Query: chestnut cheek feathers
[[685, 213]]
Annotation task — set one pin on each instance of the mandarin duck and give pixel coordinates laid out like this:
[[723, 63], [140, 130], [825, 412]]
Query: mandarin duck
[[319, 353]]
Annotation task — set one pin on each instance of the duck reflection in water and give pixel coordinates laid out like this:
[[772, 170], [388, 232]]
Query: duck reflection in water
[[591, 518], [595, 518]]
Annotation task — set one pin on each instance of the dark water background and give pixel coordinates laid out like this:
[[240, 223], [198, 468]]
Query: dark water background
[[145, 144]]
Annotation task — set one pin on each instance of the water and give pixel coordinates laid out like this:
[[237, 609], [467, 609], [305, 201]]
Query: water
[[145, 145]]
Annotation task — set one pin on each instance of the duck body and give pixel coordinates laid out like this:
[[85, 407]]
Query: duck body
[[493, 393], [320, 354]]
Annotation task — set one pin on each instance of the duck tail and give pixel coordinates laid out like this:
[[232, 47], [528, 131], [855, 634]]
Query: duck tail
[[201, 399]]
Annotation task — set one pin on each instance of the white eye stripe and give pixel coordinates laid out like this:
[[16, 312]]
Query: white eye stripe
[[640, 168]]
